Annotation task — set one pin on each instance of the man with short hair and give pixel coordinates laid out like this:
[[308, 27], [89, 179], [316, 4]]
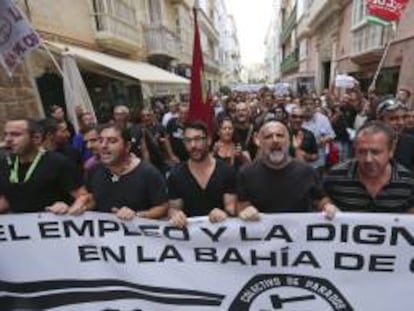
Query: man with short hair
[[321, 128], [393, 113], [33, 179], [58, 113], [56, 138], [304, 146], [171, 113], [175, 133], [372, 181], [202, 185], [124, 184], [403, 95], [122, 118], [91, 139], [276, 183], [244, 129]]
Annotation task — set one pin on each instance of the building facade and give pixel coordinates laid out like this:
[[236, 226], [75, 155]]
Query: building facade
[[361, 46], [229, 52], [153, 32], [321, 39], [272, 51]]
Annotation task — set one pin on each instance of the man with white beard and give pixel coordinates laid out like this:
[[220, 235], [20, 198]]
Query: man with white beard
[[276, 183]]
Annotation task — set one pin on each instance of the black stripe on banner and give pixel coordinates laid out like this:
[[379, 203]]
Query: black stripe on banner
[[10, 302], [39, 286]]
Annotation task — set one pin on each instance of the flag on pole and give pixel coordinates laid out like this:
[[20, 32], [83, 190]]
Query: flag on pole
[[385, 11], [200, 96], [17, 37]]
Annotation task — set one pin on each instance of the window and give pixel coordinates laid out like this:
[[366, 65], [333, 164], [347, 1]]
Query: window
[[358, 12], [370, 37], [303, 49]]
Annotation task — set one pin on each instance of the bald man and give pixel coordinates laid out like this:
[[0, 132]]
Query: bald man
[[276, 183]]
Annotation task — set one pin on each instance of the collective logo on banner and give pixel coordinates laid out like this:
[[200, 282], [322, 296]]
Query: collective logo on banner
[[289, 292], [17, 37]]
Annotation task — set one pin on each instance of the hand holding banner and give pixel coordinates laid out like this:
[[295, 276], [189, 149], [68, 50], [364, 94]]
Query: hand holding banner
[[283, 262]]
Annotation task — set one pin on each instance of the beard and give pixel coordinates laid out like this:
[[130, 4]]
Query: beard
[[198, 155], [276, 159], [277, 156]]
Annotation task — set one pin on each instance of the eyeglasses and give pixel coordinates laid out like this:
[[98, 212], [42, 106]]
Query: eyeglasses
[[197, 139], [390, 105], [296, 116]]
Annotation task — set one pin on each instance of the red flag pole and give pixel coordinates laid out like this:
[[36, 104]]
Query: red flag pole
[[200, 102]]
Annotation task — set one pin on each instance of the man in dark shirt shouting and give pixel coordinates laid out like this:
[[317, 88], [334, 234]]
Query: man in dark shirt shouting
[[276, 183]]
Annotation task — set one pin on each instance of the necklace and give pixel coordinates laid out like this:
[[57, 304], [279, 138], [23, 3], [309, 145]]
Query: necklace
[[131, 164]]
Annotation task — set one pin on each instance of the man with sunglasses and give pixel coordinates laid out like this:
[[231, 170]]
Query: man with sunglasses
[[32, 179], [202, 185], [303, 142], [393, 113]]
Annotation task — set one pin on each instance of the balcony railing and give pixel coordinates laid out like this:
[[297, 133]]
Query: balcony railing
[[162, 41], [290, 62], [370, 38], [115, 25], [288, 26]]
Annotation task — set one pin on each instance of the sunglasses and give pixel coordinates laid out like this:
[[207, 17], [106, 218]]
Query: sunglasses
[[390, 105], [296, 116]]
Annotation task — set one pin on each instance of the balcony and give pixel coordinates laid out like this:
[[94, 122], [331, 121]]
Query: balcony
[[211, 64], [290, 62], [288, 26], [116, 27], [162, 42], [368, 42]]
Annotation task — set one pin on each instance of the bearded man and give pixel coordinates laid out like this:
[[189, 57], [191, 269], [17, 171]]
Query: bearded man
[[276, 183]]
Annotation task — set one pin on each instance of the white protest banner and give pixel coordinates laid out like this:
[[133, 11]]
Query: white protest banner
[[286, 262], [344, 81], [17, 37]]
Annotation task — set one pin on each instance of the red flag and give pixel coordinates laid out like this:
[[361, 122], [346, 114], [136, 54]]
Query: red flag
[[200, 96], [387, 10]]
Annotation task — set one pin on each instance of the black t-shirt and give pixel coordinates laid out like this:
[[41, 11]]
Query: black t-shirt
[[52, 180], [244, 137], [309, 144], [291, 189], [198, 201], [73, 155], [136, 137], [176, 133], [142, 188]]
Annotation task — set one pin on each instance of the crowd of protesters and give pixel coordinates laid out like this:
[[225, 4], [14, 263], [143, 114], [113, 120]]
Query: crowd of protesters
[[340, 151]]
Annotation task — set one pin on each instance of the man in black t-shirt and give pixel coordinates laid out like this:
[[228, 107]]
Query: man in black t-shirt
[[275, 183], [56, 138], [202, 185], [32, 179], [303, 142], [124, 184], [175, 134]]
